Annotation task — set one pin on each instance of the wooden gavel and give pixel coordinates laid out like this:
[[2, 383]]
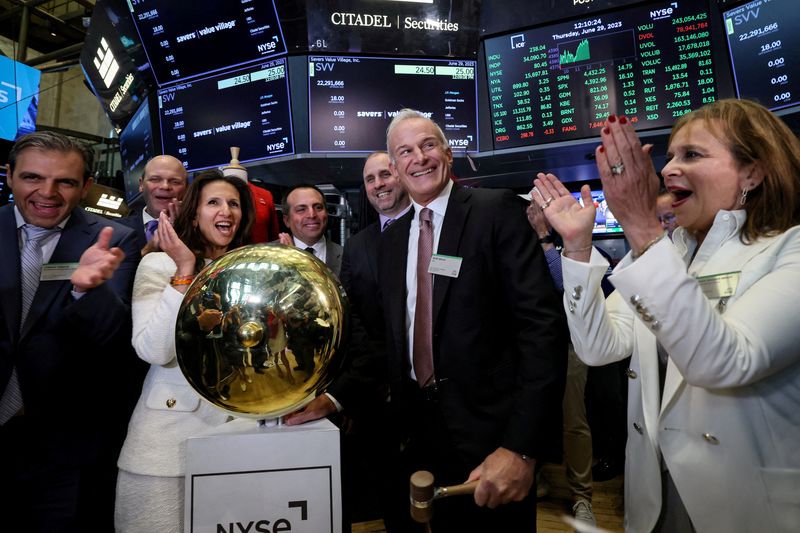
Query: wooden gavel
[[423, 493]]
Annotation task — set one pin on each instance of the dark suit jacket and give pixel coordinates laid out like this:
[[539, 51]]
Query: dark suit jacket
[[71, 354], [333, 256], [364, 366], [499, 335], [134, 221]]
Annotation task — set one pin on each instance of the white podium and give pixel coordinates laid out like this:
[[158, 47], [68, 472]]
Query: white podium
[[248, 479]]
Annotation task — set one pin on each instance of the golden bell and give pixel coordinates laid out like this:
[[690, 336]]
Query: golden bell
[[277, 339]]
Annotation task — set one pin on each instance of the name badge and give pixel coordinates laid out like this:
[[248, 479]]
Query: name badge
[[719, 285], [445, 265], [57, 271]]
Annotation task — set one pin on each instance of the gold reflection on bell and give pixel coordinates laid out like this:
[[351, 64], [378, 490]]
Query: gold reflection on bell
[[277, 338]]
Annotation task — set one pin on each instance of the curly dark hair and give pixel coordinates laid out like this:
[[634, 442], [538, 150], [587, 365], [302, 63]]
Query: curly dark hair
[[191, 235]]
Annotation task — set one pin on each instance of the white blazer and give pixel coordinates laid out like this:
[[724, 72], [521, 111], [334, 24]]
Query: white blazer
[[169, 410], [728, 425]]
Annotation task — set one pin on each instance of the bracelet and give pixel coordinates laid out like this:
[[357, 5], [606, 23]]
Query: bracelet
[[576, 250], [648, 246], [181, 280]]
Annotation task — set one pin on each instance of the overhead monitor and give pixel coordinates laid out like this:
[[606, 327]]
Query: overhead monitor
[[652, 62], [418, 28], [109, 62], [186, 40], [200, 119], [352, 100], [764, 43], [605, 223], [19, 98], [136, 148]]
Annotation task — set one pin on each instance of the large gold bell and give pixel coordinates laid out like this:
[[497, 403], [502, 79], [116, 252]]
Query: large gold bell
[[260, 329]]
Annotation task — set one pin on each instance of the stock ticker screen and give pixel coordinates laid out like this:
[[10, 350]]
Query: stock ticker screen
[[352, 100], [764, 43], [249, 108], [184, 40], [652, 63]]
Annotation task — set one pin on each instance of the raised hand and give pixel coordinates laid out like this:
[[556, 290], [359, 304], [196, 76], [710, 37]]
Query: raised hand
[[98, 263], [573, 221], [630, 182], [285, 238], [174, 247]]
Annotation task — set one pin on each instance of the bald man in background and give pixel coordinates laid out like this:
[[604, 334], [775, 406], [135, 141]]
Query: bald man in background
[[162, 185]]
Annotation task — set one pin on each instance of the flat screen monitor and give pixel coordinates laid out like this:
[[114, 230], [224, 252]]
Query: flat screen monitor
[[136, 148], [185, 40], [19, 98], [249, 108], [353, 99], [651, 62], [418, 28], [110, 60], [604, 221], [764, 43]]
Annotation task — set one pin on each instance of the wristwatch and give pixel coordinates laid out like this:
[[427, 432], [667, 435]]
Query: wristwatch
[[547, 239]]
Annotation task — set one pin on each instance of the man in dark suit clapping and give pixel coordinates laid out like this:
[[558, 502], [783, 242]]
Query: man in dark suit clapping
[[64, 324]]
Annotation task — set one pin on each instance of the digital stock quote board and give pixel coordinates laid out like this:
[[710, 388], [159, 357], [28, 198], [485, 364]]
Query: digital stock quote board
[[764, 42], [248, 108], [186, 39], [652, 63], [352, 100]]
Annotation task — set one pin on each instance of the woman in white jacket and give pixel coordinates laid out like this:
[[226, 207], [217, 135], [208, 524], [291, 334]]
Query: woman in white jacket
[[215, 216], [712, 321]]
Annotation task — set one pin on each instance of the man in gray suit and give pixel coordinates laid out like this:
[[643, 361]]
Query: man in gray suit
[[306, 216]]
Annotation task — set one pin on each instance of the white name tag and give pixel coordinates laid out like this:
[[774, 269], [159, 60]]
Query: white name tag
[[57, 271], [719, 285], [445, 265]]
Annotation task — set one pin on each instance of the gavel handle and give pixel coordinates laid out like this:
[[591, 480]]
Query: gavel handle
[[456, 490]]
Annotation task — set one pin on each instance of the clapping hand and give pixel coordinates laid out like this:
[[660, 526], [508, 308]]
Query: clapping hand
[[98, 263]]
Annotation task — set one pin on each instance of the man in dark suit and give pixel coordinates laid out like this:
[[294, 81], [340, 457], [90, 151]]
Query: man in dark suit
[[358, 391], [485, 403], [61, 335], [162, 185], [306, 216]]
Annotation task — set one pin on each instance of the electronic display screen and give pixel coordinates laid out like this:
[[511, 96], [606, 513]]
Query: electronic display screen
[[604, 221], [352, 100], [188, 40], [136, 148], [652, 63], [764, 43], [418, 28], [19, 98], [248, 108], [111, 60]]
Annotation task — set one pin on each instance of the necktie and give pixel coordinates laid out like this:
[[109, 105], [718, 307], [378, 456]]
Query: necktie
[[423, 321], [150, 229], [387, 223], [310, 250], [31, 269]]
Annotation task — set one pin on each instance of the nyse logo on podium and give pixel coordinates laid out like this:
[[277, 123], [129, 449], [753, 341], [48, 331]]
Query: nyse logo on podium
[[266, 526], [263, 501]]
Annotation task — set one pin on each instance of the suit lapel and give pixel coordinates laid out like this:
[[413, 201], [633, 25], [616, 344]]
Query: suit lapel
[[10, 290], [455, 218], [371, 245], [394, 246], [75, 238]]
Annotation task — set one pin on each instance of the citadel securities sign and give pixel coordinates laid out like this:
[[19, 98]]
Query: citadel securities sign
[[424, 27]]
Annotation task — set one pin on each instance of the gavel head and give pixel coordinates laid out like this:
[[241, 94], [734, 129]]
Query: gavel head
[[421, 491]]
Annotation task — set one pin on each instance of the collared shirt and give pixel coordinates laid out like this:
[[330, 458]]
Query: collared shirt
[[319, 248], [48, 244], [439, 207], [146, 217], [383, 218]]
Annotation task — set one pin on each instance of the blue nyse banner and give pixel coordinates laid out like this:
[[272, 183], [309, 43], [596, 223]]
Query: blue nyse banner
[[19, 98]]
